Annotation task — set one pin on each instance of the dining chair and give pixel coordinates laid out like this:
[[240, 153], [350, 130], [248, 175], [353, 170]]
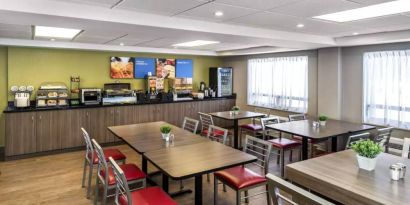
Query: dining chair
[[311, 142], [283, 192], [383, 137], [206, 120], [269, 133], [254, 127], [190, 124], [91, 159], [105, 175], [406, 148], [279, 148], [242, 179], [217, 134], [146, 195], [356, 137]]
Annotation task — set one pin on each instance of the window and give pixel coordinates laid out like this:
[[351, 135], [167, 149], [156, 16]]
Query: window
[[386, 87], [279, 83]]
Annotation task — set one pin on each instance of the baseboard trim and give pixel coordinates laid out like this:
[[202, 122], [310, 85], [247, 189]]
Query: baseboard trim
[[52, 152]]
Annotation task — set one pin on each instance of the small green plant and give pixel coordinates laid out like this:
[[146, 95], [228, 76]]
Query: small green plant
[[366, 148], [165, 129], [235, 108], [323, 117]]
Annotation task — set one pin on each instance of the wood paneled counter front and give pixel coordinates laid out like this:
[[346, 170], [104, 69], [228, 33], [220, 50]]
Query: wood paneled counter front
[[58, 130]]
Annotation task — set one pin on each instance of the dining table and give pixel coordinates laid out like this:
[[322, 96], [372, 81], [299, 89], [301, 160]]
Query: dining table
[[332, 130], [195, 160], [235, 117], [338, 177]]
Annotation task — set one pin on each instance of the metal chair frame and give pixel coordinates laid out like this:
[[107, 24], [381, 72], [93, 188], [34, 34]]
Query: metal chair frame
[[268, 121], [260, 149], [297, 194], [103, 165], [206, 120], [383, 137], [190, 124], [297, 117], [406, 148], [356, 137], [212, 136]]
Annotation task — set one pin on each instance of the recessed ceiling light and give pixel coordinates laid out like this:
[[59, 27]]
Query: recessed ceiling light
[[121, 44], [44, 31], [53, 39], [219, 13], [377, 10], [300, 25], [195, 43], [355, 33]]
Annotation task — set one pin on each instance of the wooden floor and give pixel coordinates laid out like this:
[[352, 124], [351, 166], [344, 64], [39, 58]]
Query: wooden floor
[[56, 179]]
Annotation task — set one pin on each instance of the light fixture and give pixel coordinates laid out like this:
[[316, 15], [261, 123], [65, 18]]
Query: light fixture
[[121, 44], [219, 13], [54, 32], [195, 43], [355, 34], [53, 39], [300, 25], [377, 10]]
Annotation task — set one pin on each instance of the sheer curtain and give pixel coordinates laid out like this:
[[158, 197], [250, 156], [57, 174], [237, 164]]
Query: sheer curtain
[[279, 83], [386, 79]]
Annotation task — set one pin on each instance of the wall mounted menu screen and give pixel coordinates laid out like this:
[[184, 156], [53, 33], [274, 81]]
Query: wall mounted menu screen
[[143, 66], [184, 68], [122, 67], [165, 68]]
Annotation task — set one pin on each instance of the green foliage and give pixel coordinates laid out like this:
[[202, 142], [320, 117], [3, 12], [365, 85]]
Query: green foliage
[[165, 129], [235, 108], [323, 117], [366, 148]]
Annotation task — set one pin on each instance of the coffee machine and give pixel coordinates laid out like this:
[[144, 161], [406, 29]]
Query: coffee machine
[[22, 95]]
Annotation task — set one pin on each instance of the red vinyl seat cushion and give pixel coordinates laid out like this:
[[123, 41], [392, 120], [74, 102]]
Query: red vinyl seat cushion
[[252, 127], [283, 143], [240, 177], [131, 172], [114, 153], [216, 133], [148, 196]]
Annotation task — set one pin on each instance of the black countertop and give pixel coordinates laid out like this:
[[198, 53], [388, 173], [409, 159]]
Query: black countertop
[[12, 109]]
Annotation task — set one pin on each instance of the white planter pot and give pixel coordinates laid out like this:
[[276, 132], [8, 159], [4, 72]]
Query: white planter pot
[[366, 163], [322, 123], [165, 136]]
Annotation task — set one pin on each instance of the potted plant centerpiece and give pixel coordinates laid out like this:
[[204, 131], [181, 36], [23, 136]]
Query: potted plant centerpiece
[[322, 120], [367, 152], [165, 131], [235, 110]]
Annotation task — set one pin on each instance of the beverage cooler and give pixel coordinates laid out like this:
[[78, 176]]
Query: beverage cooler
[[220, 79]]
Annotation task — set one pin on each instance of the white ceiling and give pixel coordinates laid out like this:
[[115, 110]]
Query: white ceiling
[[146, 24]]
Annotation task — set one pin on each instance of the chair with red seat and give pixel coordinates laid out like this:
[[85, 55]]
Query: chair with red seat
[[206, 120], [105, 175], [242, 179], [281, 145], [254, 127], [144, 196], [190, 124], [218, 134], [91, 159], [311, 142]]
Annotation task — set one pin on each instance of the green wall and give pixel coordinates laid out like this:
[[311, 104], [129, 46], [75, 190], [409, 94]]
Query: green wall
[[32, 66]]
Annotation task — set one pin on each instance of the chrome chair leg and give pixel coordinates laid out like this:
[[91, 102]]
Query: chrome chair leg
[[215, 190], [84, 173], [238, 197], [246, 197], [90, 174], [97, 186]]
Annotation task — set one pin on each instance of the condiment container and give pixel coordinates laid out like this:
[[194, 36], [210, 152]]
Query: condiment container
[[395, 172], [402, 170]]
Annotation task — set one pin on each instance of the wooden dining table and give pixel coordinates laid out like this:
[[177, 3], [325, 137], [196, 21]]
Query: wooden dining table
[[338, 177], [228, 115], [333, 129], [195, 160]]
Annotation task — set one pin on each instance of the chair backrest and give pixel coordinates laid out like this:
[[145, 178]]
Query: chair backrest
[[206, 120], [383, 137], [260, 149], [217, 134], [263, 110], [406, 148], [121, 184], [268, 121], [89, 152], [190, 124], [297, 117], [355, 138], [293, 194], [102, 163]]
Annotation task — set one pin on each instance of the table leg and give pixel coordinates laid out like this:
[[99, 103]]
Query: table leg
[[235, 134], [144, 165], [304, 148], [165, 181], [198, 190], [334, 144]]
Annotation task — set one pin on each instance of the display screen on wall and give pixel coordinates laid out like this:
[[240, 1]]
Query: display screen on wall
[[143, 66], [122, 67], [165, 68], [184, 68]]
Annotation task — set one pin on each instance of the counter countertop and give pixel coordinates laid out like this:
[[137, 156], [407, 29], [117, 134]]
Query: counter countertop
[[33, 108]]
